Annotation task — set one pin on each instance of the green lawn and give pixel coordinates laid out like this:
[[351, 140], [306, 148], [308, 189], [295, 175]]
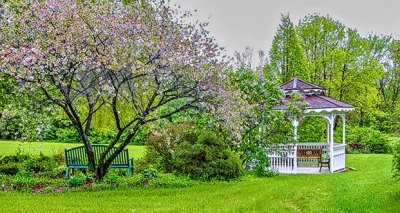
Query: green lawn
[[51, 148], [369, 189]]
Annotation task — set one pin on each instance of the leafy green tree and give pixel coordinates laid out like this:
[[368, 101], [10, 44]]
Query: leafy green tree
[[264, 125], [389, 86], [24, 114], [287, 59], [138, 58], [320, 36], [345, 63]]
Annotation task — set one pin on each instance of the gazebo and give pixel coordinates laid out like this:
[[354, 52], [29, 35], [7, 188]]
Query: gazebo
[[287, 158]]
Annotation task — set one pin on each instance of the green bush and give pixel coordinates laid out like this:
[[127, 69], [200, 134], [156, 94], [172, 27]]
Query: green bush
[[9, 169], [22, 181], [161, 146], [199, 154], [150, 173], [78, 179], [367, 140], [256, 160], [206, 157], [41, 165], [396, 162]]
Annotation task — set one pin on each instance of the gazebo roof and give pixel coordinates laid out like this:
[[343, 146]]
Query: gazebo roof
[[299, 84], [313, 95]]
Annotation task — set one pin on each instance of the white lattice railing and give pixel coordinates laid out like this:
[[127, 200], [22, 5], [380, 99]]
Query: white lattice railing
[[338, 160], [282, 157]]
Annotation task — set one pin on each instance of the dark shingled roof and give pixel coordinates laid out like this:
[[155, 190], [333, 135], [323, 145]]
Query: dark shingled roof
[[298, 84], [314, 100]]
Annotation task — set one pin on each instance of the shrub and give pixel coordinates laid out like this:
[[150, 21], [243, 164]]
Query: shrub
[[256, 160], [199, 154], [150, 173], [9, 169], [112, 178], [77, 180], [396, 162], [67, 135], [205, 156], [38, 165], [367, 140], [22, 181], [162, 144]]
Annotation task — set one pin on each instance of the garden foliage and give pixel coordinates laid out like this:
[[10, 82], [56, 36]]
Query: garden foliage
[[367, 140], [396, 162], [186, 150], [45, 166]]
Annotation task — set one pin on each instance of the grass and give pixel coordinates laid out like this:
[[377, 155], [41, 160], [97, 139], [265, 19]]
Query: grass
[[368, 189], [52, 148]]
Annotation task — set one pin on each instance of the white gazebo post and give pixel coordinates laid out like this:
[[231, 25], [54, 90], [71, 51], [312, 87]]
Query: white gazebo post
[[327, 131], [331, 141], [344, 129], [295, 123], [331, 119]]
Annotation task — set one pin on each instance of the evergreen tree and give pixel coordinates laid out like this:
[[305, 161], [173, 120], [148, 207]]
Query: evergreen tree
[[287, 54]]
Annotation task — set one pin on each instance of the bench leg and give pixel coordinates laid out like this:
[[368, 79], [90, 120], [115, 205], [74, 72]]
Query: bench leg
[[67, 173], [128, 172]]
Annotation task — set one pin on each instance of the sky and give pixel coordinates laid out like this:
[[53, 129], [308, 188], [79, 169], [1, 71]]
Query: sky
[[236, 24]]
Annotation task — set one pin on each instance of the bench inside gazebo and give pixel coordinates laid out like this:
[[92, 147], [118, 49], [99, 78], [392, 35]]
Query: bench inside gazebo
[[301, 157]]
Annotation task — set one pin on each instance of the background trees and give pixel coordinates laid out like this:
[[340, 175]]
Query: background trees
[[360, 70]]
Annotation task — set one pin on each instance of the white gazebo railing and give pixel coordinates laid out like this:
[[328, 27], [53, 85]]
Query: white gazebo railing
[[338, 159], [283, 157]]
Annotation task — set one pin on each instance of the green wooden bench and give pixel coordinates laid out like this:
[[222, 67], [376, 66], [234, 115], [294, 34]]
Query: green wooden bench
[[76, 158]]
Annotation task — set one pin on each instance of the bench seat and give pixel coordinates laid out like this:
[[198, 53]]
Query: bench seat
[[313, 153]]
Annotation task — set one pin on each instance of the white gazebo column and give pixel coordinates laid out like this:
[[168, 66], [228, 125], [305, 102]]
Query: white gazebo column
[[344, 129], [327, 132], [331, 120], [295, 123]]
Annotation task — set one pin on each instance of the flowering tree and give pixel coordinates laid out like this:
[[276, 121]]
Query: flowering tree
[[83, 56]]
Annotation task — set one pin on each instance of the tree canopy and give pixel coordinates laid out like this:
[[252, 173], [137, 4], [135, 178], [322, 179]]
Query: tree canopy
[[142, 59]]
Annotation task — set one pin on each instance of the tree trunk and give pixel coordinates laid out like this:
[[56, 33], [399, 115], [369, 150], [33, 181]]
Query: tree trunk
[[101, 172], [89, 153], [104, 163]]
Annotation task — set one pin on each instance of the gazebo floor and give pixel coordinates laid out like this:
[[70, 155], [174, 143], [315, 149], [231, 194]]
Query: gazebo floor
[[305, 170]]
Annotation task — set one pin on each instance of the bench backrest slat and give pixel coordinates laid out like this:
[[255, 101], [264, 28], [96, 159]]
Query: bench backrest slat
[[309, 152], [77, 155]]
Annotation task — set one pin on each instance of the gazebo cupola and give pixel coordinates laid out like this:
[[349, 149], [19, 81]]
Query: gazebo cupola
[[319, 105], [313, 95]]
